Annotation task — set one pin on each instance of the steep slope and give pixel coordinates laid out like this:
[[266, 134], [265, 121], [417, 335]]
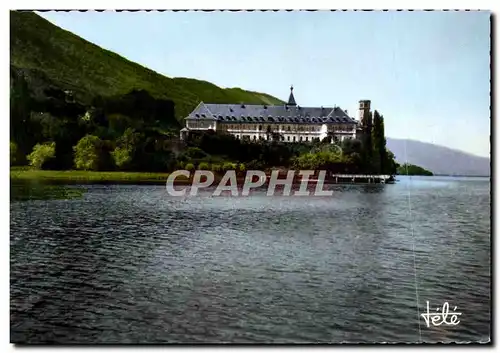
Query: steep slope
[[438, 159], [62, 59]]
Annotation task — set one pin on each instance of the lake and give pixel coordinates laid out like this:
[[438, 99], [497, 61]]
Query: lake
[[130, 264]]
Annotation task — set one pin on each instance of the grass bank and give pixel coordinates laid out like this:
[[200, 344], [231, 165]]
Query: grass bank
[[27, 174], [88, 177]]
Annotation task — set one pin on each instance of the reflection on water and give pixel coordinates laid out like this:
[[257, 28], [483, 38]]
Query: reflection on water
[[37, 190], [129, 264]]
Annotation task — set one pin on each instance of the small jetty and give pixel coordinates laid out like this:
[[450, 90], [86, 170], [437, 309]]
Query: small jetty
[[359, 178], [331, 178]]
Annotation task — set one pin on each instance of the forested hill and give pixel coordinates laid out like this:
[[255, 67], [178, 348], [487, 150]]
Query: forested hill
[[50, 57]]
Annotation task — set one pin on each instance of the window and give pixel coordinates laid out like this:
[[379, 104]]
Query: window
[[307, 138], [300, 138], [294, 139], [288, 138], [260, 127], [288, 127], [254, 137]]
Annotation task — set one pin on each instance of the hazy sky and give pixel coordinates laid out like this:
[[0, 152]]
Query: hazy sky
[[427, 72]]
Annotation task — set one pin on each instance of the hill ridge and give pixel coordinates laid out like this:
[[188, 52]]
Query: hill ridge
[[440, 160], [71, 62]]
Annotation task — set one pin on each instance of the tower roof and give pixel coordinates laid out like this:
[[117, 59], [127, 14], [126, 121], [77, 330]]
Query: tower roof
[[291, 99]]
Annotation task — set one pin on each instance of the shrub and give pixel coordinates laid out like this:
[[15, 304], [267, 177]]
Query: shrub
[[255, 165], [203, 166], [241, 167], [216, 168], [41, 154], [87, 153], [228, 166], [122, 157], [189, 166], [195, 152]]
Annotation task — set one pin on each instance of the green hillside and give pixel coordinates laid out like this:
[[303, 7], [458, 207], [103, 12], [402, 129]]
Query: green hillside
[[56, 57]]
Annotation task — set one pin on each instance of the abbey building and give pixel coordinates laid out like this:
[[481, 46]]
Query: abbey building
[[288, 122]]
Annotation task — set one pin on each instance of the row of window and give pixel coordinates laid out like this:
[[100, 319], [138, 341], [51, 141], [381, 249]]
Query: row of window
[[311, 128], [269, 127], [264, 128], [199, 125], [247, 137], [288, 139]]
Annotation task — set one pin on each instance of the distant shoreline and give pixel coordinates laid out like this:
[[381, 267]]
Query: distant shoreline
[[116, 177], [458, 176]]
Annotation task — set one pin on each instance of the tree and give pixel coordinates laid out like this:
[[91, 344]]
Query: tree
[[13, 152], [269, 132], [121, 157], [20, 106], [328, 139], [41, 154], [126, 149], [379, 158], [411, 169], [390, 164], [88, 153], [351, 146], [367, 152]]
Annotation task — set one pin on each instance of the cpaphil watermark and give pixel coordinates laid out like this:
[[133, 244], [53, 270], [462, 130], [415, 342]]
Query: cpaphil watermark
[[253, 179]]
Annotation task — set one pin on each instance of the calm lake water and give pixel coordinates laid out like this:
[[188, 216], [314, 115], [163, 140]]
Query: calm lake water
[[129, 264]]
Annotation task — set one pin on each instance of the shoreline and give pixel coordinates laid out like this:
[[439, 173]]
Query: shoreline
[[19, 175]]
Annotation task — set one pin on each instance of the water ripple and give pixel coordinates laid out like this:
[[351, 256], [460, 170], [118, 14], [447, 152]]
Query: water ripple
[[128, 264]]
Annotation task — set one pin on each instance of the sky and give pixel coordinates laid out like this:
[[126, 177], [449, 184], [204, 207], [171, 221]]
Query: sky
[[426, 72]]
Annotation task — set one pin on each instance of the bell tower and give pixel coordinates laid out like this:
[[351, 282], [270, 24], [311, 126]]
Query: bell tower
[[364, 107]]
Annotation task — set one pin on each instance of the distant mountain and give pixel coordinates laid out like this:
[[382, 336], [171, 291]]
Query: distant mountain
[[439, 159], [49, 56]]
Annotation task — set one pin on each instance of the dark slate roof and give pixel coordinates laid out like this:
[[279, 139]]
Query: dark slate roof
[[270, 114]]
